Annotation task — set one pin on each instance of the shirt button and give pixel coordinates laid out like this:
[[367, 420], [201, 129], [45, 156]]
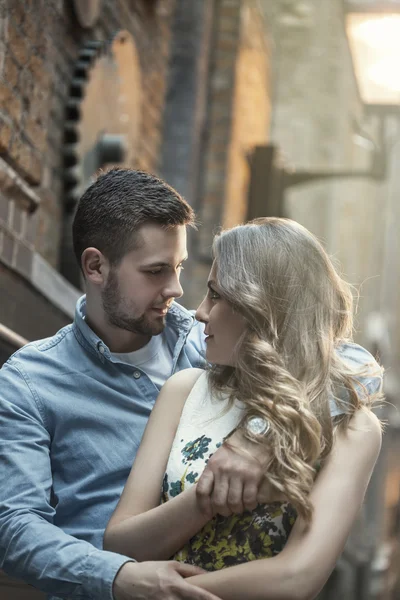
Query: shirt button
[[101, 349], [136, 374]]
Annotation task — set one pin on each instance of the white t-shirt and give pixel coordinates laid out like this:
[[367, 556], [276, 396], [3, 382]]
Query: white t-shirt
[[155, 359]]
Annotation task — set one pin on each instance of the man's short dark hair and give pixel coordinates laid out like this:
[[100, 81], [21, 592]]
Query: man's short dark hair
[[117, 204]]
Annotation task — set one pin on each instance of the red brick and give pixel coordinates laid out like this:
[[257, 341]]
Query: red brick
[[39, 72], [5, 136], [11, 70], [17, 12], [10, 103], [36, 167], [5, 94], [36, 133], [18, 44], [32, 29]]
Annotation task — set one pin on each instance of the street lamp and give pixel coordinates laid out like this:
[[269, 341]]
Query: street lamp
[[373, 33]]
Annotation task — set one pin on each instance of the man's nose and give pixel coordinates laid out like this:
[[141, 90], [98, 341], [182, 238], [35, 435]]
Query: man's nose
[[174, 288]]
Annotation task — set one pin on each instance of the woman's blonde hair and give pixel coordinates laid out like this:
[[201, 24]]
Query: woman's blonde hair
[[298, 310]]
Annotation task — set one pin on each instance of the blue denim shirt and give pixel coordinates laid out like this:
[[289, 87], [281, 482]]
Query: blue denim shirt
[[71, 420]]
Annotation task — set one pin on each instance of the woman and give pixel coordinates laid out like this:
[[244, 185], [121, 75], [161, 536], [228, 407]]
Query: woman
[[276, 315]]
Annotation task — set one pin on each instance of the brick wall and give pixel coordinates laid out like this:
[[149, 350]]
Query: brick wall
[[238, 113], [40, 41], [39, 44], [251, 111], [238, 119]]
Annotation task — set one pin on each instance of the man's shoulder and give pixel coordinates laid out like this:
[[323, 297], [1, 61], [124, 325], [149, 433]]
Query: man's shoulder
[[39, 350], [361, 362], [366, 372]]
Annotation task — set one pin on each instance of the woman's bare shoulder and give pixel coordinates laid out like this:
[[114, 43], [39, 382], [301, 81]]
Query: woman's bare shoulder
[[186, 378], [180, 384], [364, 433]]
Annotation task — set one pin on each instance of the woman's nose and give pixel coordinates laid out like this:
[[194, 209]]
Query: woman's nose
[[202, 312]]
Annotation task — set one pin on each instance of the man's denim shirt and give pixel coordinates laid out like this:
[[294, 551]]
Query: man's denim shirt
[[71, 420]]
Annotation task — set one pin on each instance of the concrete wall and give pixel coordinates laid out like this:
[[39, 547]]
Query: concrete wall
[[319, 123]]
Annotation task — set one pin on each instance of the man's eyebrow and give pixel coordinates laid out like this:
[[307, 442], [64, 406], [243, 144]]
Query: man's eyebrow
[[155, 264], [160, 264]]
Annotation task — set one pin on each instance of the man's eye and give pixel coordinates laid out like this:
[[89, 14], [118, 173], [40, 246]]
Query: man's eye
[[154, 272]]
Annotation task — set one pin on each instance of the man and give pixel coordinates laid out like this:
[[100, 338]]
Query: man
[[73, 407]]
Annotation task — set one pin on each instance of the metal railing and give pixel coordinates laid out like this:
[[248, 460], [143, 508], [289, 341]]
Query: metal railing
[[10, 337]]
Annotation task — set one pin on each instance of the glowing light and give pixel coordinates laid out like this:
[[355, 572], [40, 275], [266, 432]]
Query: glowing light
[[381, 33], [375, 45], [385, 73]]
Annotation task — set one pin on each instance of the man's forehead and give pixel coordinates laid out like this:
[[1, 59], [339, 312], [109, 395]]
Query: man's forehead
[[160, 245], [151, 232]]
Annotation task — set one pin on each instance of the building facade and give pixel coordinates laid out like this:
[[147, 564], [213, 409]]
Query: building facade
[[320, 124], [190, 91], [177, 88], [50, 120], [55, 106]]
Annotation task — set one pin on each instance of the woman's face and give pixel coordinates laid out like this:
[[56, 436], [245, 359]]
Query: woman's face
[[224, 326]]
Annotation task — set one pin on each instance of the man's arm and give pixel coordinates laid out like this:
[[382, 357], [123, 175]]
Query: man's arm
[[232, 480], [31, 547], [38, 552]]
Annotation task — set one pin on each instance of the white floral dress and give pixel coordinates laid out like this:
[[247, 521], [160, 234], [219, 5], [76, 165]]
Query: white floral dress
[[224, 541]]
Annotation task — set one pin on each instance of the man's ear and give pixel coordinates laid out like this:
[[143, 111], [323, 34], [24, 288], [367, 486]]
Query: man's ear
[[95, 266]]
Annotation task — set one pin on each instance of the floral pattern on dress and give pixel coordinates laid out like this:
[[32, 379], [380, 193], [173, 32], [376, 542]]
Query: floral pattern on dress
[[194, 450], [227, 541]]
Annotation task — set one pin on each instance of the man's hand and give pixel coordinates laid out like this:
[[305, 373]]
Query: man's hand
[[156, 580], [232, 479]]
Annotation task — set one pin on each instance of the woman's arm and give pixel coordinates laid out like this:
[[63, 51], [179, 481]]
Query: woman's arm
[[302, 568], [140, 527]]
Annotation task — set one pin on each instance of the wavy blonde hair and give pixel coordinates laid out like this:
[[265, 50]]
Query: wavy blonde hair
[[277, 275]]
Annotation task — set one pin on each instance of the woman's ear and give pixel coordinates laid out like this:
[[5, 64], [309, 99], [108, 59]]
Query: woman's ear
[[95, 266]]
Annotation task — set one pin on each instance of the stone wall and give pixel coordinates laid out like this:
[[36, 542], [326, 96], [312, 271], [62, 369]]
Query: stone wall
[[319, 123]]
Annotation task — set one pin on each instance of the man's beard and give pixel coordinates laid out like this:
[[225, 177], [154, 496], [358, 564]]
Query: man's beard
[[119, 317]]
